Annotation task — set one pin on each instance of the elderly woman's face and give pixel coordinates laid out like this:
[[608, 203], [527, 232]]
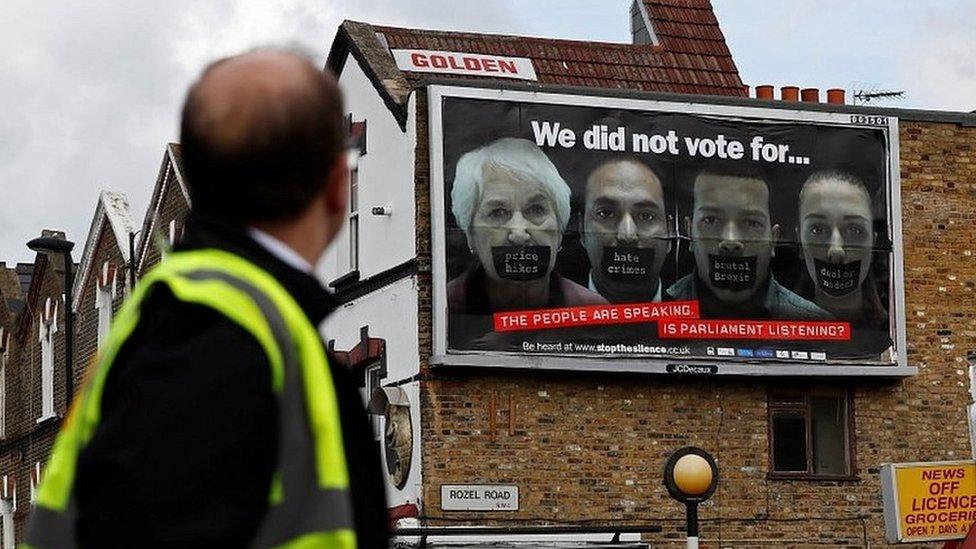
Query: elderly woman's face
[[837, 236], [515, 232]]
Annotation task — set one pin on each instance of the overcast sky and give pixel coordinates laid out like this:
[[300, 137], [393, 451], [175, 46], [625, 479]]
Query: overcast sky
[[90, 91]]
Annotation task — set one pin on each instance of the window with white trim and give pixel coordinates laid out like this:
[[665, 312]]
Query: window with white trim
[[35, 480], [4, 352], [374, 381], [47, 328], [104, 296], [8, 506], [354, 217]]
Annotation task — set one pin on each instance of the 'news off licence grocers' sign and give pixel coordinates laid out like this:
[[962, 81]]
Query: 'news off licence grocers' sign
[[479, 497], [928, 501], [467, 64]]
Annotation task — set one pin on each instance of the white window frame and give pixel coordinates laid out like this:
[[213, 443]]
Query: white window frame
[[4, 353], [354, 214], [105, 293], [8, 507], [374, 381], [35, 481], [47, 328]]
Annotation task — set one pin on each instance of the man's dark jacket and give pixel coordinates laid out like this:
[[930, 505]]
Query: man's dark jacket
[[188, 440]]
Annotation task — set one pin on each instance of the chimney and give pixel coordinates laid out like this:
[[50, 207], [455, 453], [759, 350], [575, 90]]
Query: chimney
[[835, 96], [789, 93], [810, 95], [764, 92]]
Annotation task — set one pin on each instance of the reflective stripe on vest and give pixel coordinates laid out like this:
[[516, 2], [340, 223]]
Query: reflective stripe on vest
[[309, 498]]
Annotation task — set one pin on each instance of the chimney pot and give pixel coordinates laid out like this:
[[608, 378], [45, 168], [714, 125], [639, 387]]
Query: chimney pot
[[810, 95], [835, 96], [764, 92], [789, 93]]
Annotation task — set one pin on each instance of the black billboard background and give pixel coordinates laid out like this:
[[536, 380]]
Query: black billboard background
[[472, 123]]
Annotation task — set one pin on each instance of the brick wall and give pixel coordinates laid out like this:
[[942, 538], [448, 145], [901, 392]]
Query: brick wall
[[86, 321], [173, 206], [590, 448], [26, 441]]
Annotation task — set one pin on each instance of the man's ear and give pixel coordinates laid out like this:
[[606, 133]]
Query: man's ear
[[775, 238]]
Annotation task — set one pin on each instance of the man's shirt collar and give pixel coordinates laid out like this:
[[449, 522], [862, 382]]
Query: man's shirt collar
[[281, 250]]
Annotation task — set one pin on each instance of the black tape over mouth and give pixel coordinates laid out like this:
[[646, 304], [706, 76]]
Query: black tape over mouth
[[627, 263], [521, 263], [837, 279], [732, 273]]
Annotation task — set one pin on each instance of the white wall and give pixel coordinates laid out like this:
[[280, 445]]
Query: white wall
[[391, 314], [386, 178]]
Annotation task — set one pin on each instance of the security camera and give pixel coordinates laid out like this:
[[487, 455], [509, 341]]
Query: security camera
[[382, 210]]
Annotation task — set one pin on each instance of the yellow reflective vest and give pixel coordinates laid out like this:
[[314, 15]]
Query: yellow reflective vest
[[309, 501]]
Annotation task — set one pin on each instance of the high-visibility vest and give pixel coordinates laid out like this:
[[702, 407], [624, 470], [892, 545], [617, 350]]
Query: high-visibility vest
[[309, 502]]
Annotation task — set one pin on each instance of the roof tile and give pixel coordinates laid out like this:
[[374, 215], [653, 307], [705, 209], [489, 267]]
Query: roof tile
[[692, 57]]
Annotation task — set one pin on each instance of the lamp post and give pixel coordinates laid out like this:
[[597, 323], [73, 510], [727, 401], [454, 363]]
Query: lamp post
[[691, 476], [49, 244]]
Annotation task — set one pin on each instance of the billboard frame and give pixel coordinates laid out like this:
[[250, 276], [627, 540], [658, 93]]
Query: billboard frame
[[441, 356]]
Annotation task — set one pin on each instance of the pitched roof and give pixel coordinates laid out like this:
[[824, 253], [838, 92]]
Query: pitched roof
[[112, 212], [11, 292], [689, 54], [172, 160]]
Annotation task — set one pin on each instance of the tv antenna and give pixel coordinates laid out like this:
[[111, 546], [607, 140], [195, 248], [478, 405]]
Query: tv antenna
[[865, 94]]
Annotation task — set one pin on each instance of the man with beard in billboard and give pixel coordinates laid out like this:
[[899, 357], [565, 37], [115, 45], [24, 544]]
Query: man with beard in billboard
[[732, 239], [837, 234], [513, 207], [625, 231]]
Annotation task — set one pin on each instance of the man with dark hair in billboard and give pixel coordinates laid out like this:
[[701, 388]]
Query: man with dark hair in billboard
[[732, 239], [837, 234], [625, 231], [513, 207]]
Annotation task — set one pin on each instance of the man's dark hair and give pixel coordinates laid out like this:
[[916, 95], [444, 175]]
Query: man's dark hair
[[254, 155]]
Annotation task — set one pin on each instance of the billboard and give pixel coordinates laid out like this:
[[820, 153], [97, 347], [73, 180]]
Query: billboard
[[928, 501], [657, 236]]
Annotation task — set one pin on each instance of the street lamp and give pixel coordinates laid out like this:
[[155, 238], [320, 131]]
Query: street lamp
[[50, 244], [691, 476]]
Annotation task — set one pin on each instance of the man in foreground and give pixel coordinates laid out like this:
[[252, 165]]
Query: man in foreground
[[214, 418]]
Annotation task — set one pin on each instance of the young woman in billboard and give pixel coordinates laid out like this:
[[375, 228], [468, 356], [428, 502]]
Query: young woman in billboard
[[838, 238], [513, 207]]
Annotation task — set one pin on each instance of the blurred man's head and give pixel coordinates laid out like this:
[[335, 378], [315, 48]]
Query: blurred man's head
[[263, 142], [732, 235], [625, 229]]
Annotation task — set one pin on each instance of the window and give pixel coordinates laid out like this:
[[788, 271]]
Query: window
[[374, 380], [810, 433], [8, 506], [104, 296], [35, 480], [354, 219], [48, 326], [4, 351]]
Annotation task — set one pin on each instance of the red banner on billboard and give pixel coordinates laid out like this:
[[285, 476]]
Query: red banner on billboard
[[594, 315], [781, 330]]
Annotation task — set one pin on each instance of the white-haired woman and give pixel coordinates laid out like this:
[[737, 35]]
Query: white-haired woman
[[513, 207]]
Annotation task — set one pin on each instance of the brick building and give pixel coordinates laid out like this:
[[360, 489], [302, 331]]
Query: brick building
[[589, 447], [33, 382], [32, 326]]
